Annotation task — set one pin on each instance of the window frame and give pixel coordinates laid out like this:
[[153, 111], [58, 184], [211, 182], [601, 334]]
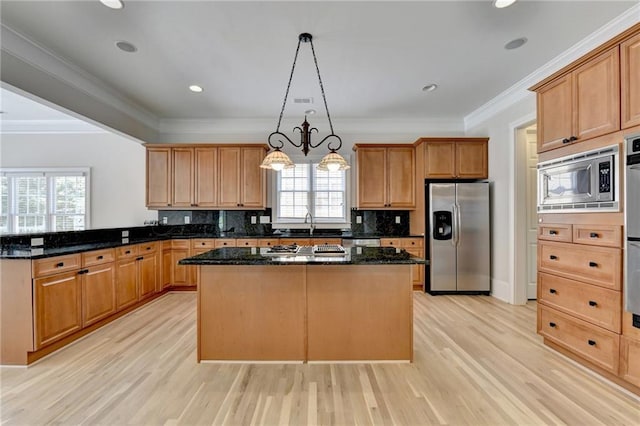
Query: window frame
[[50, 215], [278, 223]]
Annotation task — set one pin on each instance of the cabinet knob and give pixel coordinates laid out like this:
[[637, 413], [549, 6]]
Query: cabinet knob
[[553, 291], [140, 258], [552, 324], [59, 264], [593, 264], [592, 303], [100, 257], [202, 243], [83, 271], [194, 205], [573, 139], [594, 235], [591, 342], [553, 232], [565, 140], [553, 257], [127, 252]]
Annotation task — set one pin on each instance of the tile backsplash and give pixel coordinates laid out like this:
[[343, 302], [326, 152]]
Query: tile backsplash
[[380, 222], [238, 221]]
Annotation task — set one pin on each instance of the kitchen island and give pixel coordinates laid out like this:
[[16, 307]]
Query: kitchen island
[[254, 305]]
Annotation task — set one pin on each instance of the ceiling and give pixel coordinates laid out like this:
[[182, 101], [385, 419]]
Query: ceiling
[[374, 56]]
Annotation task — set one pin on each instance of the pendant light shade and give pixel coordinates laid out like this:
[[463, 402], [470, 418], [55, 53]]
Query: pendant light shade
[[277, 160], [333, 162]]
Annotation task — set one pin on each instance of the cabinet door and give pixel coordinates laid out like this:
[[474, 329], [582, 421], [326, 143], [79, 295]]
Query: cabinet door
[[183, 177], [440, 160], [372, 178], [181, 275], [158, 177], [472, 160], [206, 167], [630, 360], [98, 293], [126, 282], [418, 270], [58, 307], [253, 178], [229, 177], [166, 268], [554, 113], [401, 168], [630, 83], [147, 276], [596, 96]]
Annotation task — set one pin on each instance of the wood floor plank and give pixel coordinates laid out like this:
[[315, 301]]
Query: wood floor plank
[[478, 361]]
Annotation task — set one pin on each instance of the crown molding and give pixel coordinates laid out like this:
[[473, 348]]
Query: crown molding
[[519, 91], [30, 127], [48, 62]]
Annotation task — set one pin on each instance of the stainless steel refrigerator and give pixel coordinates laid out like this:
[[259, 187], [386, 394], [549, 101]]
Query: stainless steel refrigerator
[[459, 237]]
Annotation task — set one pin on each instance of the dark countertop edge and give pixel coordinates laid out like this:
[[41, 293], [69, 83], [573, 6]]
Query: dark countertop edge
[[26, 253], [266, 261]]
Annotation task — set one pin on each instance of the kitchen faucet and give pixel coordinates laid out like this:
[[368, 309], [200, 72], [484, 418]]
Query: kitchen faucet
[[310, 217]]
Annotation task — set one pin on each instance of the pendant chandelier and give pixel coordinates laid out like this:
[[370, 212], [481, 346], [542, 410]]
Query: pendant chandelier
[[277, 159]]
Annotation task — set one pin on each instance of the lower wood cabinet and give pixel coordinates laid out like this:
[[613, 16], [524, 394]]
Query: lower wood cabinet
[[98, 293], [147, 275], [630, 360], [58, 307], [126, 282]]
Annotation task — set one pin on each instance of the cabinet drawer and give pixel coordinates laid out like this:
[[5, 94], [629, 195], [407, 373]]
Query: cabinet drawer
[[390, 242], [54, 265], [268, 242], [247, 242], [596, 305], [145, 248], [600, 266], [321, 241], [98, 257], [555, 232], [630, 360], [598, 235], [180, 244], [411, 242], [592, 343], [126, 251], [203, 243], [298, 241], [225, 242]]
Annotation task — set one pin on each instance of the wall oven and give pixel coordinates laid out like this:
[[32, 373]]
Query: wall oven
[[581, 182], [632, 225]]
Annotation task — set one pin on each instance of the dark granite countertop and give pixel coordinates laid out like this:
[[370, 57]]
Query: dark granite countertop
[[259, 256]]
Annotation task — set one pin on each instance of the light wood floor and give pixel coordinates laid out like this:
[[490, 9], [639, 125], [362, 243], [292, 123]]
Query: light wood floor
[[478, 361]]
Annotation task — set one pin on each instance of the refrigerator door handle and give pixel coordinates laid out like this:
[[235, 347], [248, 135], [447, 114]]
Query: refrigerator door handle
[[458, 223], [455, 224]]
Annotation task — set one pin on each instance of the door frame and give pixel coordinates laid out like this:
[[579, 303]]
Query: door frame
[[518, 212]]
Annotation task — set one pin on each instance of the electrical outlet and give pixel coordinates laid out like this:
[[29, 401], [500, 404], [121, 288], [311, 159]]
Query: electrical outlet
[[397, 219], [254, 220], [187, 220], [125, 234], [125, 241], [35, 242], [265, 219], [165, 220], [358, 219]]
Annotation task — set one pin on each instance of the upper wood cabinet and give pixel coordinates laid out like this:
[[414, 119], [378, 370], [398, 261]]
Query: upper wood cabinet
[[455, 158], [385, 176], [581, 104], [241, 181], [630, 81], [206, 176], [158, 177]]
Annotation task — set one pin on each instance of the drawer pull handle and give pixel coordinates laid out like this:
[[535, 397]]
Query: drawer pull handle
[[553, 257], [100, 257], [59, 265], [203, 243], [149, 248], [594, 235], [593, 264], [552, 291], [127, 252], [565, 140], [140, 258], [592, 303], [552, 324], [83, 271], [573, 139], [553, 232], [591, 342]]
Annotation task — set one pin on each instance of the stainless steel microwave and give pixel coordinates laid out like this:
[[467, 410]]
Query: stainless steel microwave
[[579, 183]]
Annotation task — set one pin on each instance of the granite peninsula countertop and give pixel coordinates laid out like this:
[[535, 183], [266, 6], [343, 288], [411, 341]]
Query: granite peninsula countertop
[[260, 256]]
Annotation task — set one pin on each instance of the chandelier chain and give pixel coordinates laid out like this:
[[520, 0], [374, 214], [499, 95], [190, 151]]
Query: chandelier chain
[[286, 94], [324, 98]]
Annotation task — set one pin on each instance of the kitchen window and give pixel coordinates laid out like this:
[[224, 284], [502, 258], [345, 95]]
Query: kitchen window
[[305, 189], [50, 200]]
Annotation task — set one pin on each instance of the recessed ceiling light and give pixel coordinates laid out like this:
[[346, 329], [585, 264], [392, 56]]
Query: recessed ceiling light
[[310, 112], [125, 46], [514, 44], [503, 3], [113, 4], [430, 87], [196, 89]]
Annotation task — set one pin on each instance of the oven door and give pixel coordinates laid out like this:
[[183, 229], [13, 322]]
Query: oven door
[[568, 183], [632, 278]]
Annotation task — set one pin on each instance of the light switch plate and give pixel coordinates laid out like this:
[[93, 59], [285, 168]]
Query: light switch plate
[[265, 219], [397, 219], [358, 219], [125, 241], [187, 220], [254, 220], [165, 220], [35, 242], [125, 234]]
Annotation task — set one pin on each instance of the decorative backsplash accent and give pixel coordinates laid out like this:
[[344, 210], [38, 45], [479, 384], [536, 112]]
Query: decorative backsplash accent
[[380, 222]]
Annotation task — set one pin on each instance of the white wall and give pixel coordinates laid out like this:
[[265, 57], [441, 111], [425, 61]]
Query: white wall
[[500, 129], [117, 170]]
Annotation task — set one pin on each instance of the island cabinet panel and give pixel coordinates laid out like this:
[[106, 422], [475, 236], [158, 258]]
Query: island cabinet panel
[[250, 313], [58, 307], [98, 293], [158, 177], [630, 82], [344, 325], [183, 181]]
